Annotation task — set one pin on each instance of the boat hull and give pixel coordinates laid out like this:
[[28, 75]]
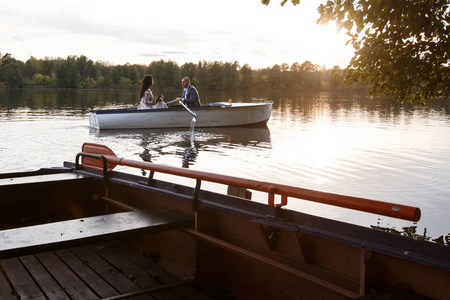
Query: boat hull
[[213, 115], [226, 245]]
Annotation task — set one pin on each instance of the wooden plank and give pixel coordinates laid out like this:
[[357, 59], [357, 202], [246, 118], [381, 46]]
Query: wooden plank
[[133, 272], [26, 240], [122, 206], [264, 259], [82, 269], [20, 279], [6, 292], [45, 281], [65, 277], [164, 277], [147, 291], [239, 192], [42, 179], [108, 272]]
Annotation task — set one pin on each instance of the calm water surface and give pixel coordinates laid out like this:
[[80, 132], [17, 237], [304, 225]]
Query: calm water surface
[[342, 143]]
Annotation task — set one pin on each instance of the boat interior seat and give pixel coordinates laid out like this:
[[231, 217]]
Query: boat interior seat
[[42, 178], [33, 239]]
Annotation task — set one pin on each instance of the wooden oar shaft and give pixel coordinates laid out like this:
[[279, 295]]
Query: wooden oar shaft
[[362, 204], [192, 113]]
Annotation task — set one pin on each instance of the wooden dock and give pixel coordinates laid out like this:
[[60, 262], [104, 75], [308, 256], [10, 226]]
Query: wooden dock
[[101, 271]]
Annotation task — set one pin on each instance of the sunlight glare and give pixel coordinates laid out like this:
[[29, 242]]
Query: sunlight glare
[[323, 147], [323, 45], [321, 152]]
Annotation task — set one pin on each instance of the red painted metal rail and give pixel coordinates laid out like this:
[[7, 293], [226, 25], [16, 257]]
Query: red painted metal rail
[[372, 206]]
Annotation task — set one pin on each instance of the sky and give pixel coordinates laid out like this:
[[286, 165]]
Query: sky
[[139, 32]]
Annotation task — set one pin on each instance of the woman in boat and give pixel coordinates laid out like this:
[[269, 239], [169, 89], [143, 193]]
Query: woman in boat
[[148, 101], [190, 95]]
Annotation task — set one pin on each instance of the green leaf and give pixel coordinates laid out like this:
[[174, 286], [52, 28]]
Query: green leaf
[[348, 25]]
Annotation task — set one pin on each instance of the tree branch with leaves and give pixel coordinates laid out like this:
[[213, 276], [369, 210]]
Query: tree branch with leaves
[[402, 48]]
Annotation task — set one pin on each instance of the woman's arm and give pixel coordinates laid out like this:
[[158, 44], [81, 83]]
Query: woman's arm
[[149, 99]]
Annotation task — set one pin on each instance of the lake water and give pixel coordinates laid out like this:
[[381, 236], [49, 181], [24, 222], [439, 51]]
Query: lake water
[[336, 142]]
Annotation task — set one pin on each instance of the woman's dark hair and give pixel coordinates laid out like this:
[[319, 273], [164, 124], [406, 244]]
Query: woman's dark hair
[[146, 84]]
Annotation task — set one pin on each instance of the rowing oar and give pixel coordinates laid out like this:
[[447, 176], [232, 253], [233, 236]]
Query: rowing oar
[[194, 115], [171, 101], [399, 211]]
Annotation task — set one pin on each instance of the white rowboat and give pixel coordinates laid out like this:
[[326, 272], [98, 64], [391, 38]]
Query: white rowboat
[[218, 114]]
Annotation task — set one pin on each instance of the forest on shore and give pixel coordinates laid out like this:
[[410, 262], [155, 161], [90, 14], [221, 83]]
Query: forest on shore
[[80, 72]]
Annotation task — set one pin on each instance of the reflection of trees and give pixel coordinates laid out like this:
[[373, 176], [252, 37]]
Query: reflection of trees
[[79, 101], [305, 106], [311, 105], [411, 231]]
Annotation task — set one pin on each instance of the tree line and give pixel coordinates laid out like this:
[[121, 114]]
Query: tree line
[[81, 72]]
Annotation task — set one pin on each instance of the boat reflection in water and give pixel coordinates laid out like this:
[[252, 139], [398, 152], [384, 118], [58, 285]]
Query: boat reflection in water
[[188, 145], [190, 153]]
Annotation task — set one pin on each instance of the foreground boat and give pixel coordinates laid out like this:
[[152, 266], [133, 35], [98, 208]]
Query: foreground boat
[[218, 114], [85, 231]]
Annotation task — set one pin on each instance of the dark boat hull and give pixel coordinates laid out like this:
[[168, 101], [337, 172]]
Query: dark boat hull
[[236, 248]]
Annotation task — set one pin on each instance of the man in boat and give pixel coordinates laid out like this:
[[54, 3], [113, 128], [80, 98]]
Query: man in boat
[[190, 95]]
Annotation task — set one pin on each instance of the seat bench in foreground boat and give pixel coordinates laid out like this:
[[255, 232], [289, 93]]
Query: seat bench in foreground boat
[[31, 239]]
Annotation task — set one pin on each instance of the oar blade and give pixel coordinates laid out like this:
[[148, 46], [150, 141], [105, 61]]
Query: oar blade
[[94, 163]]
